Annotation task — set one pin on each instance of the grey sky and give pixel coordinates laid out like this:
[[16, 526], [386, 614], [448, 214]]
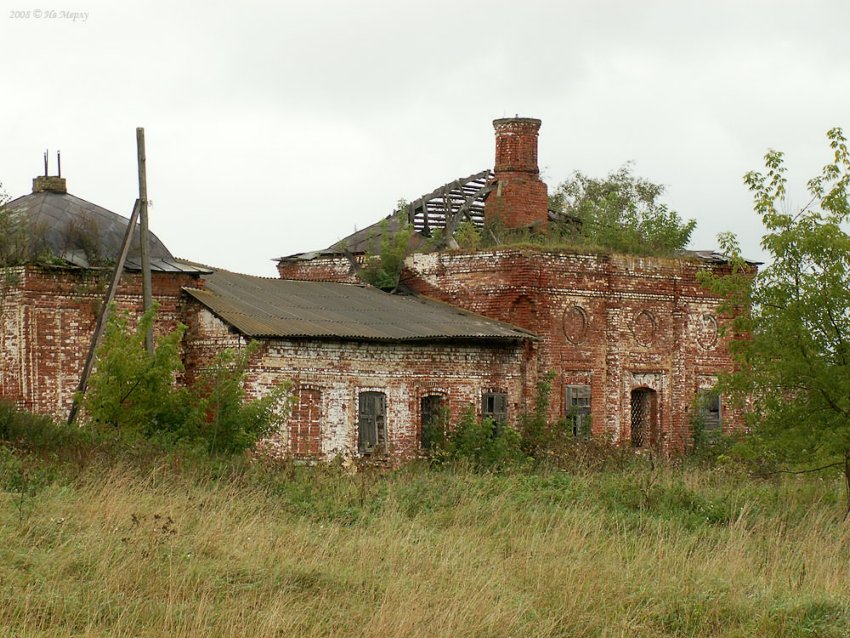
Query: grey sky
[[275, 128]]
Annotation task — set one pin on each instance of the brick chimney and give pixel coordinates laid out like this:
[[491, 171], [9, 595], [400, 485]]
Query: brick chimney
[[520, 199], [51, 183]]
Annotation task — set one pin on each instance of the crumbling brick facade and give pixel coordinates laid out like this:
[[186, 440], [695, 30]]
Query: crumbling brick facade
[[328, 375], [612, 323], [47, 317], [633, 341], [616, 323], [332, 267]]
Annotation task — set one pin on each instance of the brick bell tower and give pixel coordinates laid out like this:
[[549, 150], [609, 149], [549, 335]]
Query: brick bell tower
[[520, 199]]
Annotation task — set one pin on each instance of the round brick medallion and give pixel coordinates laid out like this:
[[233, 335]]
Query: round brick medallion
[[644, 327], [575, 324], [707, 331]]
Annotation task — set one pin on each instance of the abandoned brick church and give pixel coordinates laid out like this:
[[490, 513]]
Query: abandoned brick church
[[633, 342]]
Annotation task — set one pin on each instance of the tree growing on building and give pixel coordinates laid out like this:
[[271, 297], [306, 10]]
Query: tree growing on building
[[794, 362], [620, 212], [383, 268]]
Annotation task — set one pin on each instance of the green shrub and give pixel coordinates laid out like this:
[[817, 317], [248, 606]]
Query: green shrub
[[483, 443], [384, 269], [134, 390], [222, 416], [467, 236]]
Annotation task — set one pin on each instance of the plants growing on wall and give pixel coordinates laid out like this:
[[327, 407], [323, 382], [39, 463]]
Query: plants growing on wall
[[383, 269]]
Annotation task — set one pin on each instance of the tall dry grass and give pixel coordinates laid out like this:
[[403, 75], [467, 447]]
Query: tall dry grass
[[108, 539]]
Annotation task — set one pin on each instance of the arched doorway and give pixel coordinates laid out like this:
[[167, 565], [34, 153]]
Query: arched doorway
[[644, 418]]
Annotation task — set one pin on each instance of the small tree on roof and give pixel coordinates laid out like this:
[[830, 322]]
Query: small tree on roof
[[621, 212]]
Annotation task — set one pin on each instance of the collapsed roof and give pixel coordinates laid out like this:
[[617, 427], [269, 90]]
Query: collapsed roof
[[445, 207]]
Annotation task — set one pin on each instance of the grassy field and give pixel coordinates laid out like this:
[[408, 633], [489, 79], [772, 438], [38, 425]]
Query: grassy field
[[102, 538]]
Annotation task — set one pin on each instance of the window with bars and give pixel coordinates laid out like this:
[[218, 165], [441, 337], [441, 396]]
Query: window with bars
[[578, 409], [495, 406], [372, 422]]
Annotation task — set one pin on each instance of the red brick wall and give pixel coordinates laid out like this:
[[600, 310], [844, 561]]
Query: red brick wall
[[48, 316], [327, 377], [615, 322]]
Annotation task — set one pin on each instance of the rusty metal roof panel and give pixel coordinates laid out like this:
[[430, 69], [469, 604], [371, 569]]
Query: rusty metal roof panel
[[262, 307]]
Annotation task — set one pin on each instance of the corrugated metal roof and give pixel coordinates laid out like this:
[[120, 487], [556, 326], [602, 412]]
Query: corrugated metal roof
[[85, 234], [261, 307]]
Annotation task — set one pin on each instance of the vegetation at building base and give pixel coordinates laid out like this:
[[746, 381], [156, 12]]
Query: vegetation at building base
[[105, 533], [793, 373], [132, 389]]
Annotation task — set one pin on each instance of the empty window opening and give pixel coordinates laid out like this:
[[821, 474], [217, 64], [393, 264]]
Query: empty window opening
[[305, 438], [709, 410], [372, 423], [495, 406], [578, 409], [644, 418], [432, 411]]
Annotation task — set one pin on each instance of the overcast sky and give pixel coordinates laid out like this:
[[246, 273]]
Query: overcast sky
[[277, 128]]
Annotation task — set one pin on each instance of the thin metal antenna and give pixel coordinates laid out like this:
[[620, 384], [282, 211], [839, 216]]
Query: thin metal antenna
[[59, 162], [45, 163]]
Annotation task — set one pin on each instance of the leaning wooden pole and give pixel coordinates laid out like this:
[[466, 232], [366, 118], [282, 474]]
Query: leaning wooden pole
[[100, 326], [144, 241]]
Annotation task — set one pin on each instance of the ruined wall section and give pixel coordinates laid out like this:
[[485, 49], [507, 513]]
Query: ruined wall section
[[332, 373], [614, 322], [334, 268], [48, 318]]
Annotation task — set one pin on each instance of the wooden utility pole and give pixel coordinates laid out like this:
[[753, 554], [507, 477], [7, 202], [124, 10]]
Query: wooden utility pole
[[144, 243]]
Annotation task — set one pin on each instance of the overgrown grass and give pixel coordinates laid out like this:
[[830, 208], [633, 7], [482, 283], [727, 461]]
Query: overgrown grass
[[117, 538]]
